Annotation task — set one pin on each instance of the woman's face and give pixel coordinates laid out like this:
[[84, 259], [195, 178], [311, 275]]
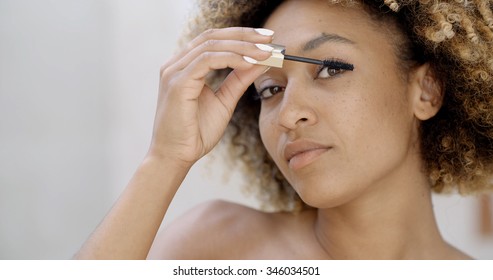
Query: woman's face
[[336, 134]]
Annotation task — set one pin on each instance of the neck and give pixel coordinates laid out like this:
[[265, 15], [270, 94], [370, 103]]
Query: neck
[[393, 221]]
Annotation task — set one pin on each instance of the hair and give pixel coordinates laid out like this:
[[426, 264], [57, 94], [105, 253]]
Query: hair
[[455, 37]]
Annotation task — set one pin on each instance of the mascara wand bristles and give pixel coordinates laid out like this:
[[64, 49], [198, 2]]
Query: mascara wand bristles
[[327, 63]]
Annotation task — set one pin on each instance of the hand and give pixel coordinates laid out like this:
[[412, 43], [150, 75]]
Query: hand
[[191, 118]]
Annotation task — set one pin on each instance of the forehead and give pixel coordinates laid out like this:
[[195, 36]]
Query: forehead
[[302, 20]]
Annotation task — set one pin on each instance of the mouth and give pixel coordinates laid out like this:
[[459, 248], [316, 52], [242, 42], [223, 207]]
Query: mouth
[[301, 153]]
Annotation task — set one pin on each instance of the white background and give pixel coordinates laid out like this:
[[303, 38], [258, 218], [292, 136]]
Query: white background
[[78, 85]]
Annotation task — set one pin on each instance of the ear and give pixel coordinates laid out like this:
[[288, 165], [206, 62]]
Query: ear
[[426, 92]]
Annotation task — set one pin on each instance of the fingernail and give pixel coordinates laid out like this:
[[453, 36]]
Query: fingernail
[[266, 69], [264, 47], [250, 60], [264, 31]]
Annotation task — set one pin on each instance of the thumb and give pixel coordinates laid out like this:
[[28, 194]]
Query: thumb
[[236, 83]]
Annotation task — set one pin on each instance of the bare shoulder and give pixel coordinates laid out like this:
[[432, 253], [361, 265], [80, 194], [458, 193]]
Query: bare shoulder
[[213, 230], [455, 254]]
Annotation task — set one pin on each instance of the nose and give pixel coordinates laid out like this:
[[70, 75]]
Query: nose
[[297, 107]]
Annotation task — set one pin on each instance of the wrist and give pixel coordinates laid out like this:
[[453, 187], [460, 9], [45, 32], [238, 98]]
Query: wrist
[[167, 162]]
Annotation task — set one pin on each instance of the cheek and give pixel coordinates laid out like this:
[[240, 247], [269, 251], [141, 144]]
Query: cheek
[[388, 126], [266, 130], [384, 95], [392, 109], [271, 135], [375, 120]]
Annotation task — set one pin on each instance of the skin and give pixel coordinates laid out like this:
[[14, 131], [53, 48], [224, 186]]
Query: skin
[[372, 200]]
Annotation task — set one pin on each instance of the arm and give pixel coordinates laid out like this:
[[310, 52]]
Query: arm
[[128, 230], [190, 120]]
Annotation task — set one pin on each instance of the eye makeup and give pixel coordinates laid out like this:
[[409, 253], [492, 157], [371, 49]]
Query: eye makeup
[[333, 67], [334, 64], [279, 55]]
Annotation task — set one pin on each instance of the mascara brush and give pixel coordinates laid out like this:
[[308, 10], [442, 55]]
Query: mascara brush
[[278, 56], [303, 59]]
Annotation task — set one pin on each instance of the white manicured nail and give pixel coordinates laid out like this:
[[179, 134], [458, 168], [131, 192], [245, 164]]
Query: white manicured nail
[[250, 60], [266, 69], [264, 47], [264, 31]]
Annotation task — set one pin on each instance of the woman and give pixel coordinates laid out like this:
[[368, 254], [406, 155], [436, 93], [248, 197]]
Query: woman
[[401, 106]]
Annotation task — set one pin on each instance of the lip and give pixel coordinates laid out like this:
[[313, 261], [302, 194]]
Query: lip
[[302, 152]]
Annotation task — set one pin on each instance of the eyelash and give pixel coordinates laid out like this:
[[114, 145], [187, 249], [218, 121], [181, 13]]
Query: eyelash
[[333, 64], [330, 64]]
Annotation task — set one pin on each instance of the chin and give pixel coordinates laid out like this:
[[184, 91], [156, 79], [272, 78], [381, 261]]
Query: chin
[[326, 196]]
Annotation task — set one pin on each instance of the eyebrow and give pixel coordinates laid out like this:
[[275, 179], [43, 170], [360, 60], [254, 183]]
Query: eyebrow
[[324, 37]]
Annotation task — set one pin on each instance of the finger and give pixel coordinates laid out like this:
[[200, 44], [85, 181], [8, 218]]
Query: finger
[[192, 78], [238, 47], [210, 61], [247, 34], [235, 85]]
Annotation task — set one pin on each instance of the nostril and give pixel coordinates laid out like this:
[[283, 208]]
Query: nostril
[[303, 119]]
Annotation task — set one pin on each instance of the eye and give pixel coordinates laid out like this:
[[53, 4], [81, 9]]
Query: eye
[[327, 72], [268, 92], [332, 68]]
